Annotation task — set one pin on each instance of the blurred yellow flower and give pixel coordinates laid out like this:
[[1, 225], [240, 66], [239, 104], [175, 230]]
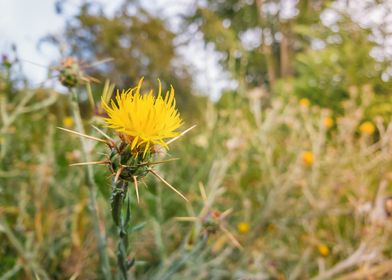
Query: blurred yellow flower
[[328, 122], [323, 250], [307, 158], [68, 121], [143, 120], [243, 227], [367, 128], [304, 102]]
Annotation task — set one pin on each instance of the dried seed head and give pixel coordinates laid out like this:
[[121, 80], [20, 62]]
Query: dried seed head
[[70, 73]]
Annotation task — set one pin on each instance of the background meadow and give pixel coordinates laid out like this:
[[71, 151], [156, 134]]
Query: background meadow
[[293, 106]]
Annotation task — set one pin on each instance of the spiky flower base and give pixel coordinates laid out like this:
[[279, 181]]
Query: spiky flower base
[[126, 165]]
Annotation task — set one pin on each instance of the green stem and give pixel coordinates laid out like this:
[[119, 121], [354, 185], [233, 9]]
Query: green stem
[[104, 259], [121, 219]]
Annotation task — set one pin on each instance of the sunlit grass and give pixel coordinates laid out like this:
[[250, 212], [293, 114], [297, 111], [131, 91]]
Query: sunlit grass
[[306, 195]]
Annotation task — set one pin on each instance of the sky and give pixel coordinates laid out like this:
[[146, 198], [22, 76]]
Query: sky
[[25, 22]]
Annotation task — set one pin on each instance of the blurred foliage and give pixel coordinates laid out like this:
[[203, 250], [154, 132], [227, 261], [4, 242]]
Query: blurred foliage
[[224, 23], [296, 55], [295, 218], [300, 151]]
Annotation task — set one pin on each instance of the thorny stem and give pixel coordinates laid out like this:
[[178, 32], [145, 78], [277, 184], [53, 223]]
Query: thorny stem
[[105, 266], [122, 220]]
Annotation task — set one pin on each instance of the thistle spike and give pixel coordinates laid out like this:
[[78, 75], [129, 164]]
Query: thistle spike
[[90, 163], [167, 184], [136, 188], [118, 173], [231, 237], [181, 134], [84, 135], [103, 133], [88, 79], [226, 213], [144, 183], [157, 162], [35, 63], [105, 60]]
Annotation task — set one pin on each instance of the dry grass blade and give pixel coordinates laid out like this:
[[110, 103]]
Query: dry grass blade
[[186, 219], [203, 192]]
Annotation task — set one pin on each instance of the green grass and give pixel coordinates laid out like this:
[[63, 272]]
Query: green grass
[[249, 161]]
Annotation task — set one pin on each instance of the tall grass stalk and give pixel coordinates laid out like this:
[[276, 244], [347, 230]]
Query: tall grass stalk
[[89, 175], [31, 264]]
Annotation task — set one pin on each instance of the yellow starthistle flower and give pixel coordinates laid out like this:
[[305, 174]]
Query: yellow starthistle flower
[[143, 123], [143, 120], [307, 158], [243, 227], [304, 102], [367, 128], [323, 250], [68, 121], [328, 122]]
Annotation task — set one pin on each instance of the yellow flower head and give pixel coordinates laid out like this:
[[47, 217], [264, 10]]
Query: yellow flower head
[[143, 120], [323, 250], [68, 121], [367, 128], [328, 122], [307, 158], [304, 102], [243, 227]]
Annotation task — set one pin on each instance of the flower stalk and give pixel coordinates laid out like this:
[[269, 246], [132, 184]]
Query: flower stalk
[[143, 123], [121, 216]]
